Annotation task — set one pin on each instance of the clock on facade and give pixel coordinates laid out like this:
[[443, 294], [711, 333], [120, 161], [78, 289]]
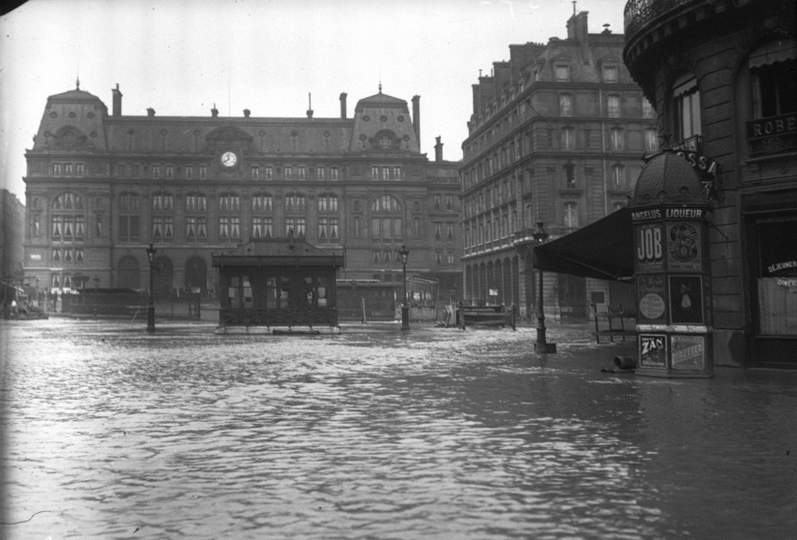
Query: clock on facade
[[229, 159]]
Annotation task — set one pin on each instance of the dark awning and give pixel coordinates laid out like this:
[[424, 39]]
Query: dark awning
[[604, 250]]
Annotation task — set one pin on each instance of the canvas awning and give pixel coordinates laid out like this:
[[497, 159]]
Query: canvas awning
[[603, 249]]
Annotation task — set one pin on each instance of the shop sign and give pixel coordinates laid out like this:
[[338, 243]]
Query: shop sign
[[653, 350], [646, 215], [787, 283], [35, 257], [688, 352], [649, 246], [774, 126], [684, 247], [686, 299], [650, 298]]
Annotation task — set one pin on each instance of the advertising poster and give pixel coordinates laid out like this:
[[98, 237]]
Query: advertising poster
[[688, 352], [684, 251], [649, 248], [653, 350], [651, 299], [686, 299]]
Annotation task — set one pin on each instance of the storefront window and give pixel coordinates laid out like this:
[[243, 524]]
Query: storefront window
[[777, 279]]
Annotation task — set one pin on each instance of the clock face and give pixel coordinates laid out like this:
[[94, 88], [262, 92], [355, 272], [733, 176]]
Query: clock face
[[229, 159]]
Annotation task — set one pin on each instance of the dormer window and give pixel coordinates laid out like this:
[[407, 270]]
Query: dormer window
[[561, 72], [609, 73], [384, 141]]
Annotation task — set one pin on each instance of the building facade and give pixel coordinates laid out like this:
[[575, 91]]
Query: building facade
[[12, 226], [723, 78], [102, 185], [556, 136]]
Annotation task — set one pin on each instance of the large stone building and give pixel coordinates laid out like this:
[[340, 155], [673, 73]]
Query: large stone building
[[556, 137], [12, 227], [722, 75], [102, 186]]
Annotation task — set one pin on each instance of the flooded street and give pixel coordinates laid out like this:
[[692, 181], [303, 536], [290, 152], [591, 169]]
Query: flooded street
[[438, 433]]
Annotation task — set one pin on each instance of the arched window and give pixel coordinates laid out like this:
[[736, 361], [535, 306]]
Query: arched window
[[386, 219]]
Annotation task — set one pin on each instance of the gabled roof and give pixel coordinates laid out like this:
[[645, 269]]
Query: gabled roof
[[380, 100]]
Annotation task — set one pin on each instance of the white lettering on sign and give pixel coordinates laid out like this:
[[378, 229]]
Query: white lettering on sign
[[781, 266], [689, 353], [653, 213], [684, 213], [649, 244]]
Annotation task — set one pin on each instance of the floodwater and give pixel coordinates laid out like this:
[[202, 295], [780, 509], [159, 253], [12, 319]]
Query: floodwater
[[437, 433]]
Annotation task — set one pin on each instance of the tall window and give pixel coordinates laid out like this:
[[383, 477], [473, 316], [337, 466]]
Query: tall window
[[647, 109], [618, 177], [327, 203], [686, 104], [162, 217], [262, 227], [651, 140], [571, 215], [229, 203], [617, 139], [196, 226], [129, 220], [328, 229], [262, 203], [568, 137], [229, 228], [570, 175], [295, 203], [565, 105], [774, 80], [295, 227], [68, 218], [613, 106]]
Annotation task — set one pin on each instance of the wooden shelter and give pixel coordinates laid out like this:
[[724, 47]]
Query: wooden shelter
[[273, 283]]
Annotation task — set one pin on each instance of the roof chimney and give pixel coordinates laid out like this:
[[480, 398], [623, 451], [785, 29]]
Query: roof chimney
[[309, 105], [438, 149], [343, 104], [214, 112], [117, 100], [416, 116], [150, 111], [247, 112]]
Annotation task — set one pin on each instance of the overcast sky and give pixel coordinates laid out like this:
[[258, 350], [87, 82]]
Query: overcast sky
[[181, 56]]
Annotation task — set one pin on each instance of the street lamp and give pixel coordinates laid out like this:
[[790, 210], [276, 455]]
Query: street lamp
[[540, 235], [405, 310], [151, 307]]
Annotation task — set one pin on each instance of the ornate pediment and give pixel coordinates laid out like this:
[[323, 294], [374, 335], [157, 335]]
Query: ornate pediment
[[68, 138]]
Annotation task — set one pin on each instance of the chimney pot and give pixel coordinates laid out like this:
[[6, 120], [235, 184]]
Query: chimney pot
[[343, 104], [116, 99], [416, 116], [247, 112], [438, 149], [150, 111]]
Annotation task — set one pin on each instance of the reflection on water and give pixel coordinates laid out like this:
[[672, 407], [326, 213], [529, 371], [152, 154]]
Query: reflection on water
[[113, 433]]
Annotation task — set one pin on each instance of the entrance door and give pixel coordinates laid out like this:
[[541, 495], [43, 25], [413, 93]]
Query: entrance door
[[572, 297], [196, 275], [128, 275], [164, 272]]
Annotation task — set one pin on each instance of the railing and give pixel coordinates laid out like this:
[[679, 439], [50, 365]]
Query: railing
[[640, 12]]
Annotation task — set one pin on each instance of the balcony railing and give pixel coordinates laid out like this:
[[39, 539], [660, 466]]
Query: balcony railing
[[640, 12]]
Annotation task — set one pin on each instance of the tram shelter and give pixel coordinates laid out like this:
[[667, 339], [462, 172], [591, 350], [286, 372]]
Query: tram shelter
[[278, 283]]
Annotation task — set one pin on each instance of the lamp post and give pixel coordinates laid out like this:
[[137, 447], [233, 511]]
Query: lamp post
[[151, 307], [540, 235], [405, 310]]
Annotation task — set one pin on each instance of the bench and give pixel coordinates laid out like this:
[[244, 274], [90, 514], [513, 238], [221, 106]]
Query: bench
[[498, 316], [611, 323]]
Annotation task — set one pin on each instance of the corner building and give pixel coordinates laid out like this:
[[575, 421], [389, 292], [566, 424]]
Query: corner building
[[722, 75], [556, 136], [100, 187]]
